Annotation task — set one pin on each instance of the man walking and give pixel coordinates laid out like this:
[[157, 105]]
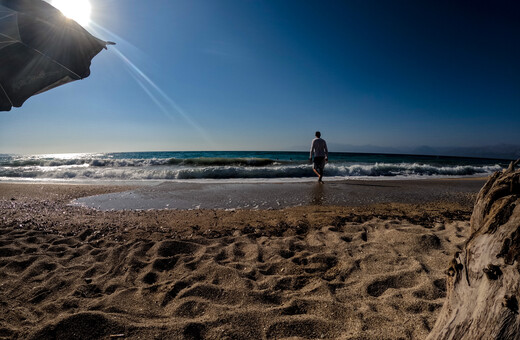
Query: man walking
[[321, 155]]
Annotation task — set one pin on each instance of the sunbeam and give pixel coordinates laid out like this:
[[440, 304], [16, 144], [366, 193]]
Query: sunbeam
[[163, 101], [145, 81], [152, 97], [96, 28]]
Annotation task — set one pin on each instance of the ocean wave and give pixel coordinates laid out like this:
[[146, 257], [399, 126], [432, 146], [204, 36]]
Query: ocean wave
[[410, 169], [198, 171], [222, 161], [110, 162]]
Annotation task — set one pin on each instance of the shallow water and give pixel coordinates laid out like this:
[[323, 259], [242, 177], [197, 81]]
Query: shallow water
[[281, 195]]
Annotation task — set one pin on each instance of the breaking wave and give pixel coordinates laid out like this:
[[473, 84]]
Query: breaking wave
[[224, 168], [107, 162]]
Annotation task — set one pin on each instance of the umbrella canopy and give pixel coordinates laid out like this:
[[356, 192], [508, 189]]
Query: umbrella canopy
[[40, 49]]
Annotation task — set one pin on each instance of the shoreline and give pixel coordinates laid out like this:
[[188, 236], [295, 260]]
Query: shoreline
[[228, 196], [51, 202], [149, 182]]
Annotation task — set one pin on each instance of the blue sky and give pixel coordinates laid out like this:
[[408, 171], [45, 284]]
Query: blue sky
[[264, 75]]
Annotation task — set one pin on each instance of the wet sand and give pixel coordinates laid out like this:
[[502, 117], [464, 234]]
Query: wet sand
[[282, 195], [372, 269]]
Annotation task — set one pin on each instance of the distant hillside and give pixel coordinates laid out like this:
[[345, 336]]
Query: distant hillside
[[502, 151]]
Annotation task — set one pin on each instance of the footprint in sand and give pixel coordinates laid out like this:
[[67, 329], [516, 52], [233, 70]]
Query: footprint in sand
[[404, 280]]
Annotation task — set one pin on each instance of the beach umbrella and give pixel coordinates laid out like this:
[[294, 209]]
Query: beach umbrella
[[40, 49]]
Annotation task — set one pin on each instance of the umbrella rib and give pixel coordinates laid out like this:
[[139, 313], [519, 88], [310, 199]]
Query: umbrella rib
[[13, 39], [43, 54], [53, 60], [9, 99], [7, 15]]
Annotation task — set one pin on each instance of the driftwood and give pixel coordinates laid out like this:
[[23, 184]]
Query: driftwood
[[483, 282]]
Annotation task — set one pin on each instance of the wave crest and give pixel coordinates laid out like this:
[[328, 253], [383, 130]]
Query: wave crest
[[207, 169], [110, 162]]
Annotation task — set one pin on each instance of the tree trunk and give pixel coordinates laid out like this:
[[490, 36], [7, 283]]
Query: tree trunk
[[483, 280]]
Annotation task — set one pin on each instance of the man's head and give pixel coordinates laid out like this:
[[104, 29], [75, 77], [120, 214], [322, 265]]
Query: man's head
[[318, 134]]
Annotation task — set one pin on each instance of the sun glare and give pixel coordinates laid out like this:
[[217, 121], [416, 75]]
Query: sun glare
[[77, 10]]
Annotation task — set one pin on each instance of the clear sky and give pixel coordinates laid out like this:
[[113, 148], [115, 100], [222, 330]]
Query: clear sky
[[264, 75]]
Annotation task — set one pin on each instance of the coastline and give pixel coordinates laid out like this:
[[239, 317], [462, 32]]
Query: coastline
[[348, 271]]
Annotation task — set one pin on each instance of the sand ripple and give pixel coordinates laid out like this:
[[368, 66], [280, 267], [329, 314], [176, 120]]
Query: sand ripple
[[371, 280]]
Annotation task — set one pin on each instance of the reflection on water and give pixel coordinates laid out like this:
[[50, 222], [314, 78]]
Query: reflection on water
[[318, 194]]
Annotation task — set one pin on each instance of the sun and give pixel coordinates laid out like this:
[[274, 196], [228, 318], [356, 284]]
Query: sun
[[77, 10]]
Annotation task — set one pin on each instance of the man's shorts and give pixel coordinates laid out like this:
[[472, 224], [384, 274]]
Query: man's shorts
[[319, 163]]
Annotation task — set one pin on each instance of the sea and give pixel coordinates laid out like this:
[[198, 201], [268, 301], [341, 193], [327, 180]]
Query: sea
[[234, 166]]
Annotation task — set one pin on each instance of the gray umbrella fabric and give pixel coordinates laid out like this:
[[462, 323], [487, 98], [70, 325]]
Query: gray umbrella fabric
[[40, 49]]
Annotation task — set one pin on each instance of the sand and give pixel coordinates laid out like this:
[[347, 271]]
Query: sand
[[371, 271]]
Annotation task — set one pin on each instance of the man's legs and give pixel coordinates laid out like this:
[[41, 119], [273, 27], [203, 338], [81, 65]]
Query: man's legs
[[319, 163]]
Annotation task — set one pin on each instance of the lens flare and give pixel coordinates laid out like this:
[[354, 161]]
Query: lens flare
[[160, 98]]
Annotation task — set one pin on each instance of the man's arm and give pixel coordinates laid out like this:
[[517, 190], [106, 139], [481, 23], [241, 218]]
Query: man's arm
[[312, 150], [326, 151]]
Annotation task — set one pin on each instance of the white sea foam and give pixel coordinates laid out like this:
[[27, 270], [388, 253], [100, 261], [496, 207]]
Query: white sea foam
[[296, 171], [232, 166]]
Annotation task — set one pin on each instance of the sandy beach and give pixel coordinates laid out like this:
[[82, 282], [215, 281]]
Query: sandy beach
[[264, 170], [328, 269]]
